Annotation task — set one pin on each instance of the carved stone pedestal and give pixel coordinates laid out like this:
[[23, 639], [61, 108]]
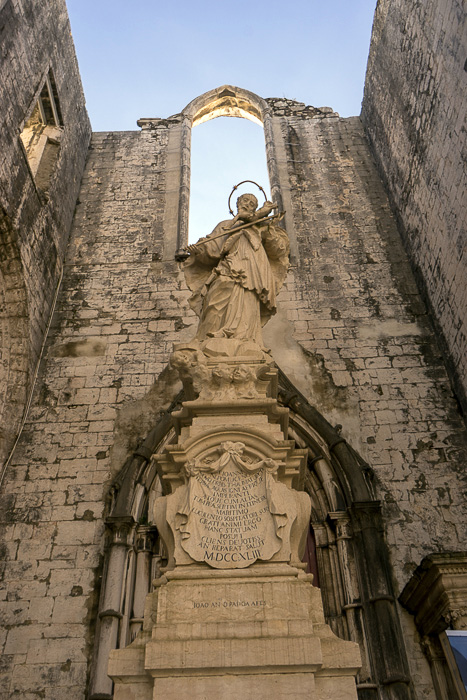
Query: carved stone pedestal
[[234, 615], [257, 635]]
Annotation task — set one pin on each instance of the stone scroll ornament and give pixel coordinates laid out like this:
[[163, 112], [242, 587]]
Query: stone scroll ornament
[[234, 512], [236, 272]]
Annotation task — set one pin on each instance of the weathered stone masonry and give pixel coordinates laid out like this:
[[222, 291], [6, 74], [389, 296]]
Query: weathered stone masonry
[[368, 328], [115, 323], [352, 332], [35, 39], [414, 113]]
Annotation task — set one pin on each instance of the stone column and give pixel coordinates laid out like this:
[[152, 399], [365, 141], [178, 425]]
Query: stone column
[[352, 603], [278, 175], [144, 548], [110, 613], [184, 193], [381, 621]]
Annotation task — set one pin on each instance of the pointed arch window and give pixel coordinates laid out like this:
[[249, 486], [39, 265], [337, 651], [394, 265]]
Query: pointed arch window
[[224, 152], [41, 134], [224, 101]]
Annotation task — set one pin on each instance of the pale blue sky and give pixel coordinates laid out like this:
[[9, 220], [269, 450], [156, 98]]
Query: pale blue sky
[[149, 59]]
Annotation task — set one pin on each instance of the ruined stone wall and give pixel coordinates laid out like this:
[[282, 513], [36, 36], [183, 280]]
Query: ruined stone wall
[[367, 347], [34, 225], [117, 317], [414, 115], [364, 344], [351, 333]]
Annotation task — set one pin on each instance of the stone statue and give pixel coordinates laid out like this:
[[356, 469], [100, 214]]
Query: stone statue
[[233, 523], [236, 272]]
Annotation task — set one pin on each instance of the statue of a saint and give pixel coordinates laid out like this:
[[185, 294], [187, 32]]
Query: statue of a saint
[[236, 272]]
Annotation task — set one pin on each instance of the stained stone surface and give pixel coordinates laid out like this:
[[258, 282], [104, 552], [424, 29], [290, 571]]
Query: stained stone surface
[[414, 114], [34, 225]]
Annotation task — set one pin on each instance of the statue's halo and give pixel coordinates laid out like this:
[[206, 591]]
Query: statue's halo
[[242, 183]]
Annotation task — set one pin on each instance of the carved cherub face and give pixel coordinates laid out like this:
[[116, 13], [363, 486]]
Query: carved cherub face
[[246, 206], [221, 375], [241, 374]]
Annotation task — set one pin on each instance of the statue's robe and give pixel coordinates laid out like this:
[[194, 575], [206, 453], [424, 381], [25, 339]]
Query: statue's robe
[[234, 293]]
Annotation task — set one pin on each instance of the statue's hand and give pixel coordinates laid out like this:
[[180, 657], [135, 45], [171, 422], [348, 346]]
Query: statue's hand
[[227, 247], [265, 210], [195, 248]]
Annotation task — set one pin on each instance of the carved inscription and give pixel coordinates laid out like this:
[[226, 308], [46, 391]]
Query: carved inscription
[[230, 524], [230, 604]]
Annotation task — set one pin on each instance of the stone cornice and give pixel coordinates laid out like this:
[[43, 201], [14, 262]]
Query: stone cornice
[[437, 593]]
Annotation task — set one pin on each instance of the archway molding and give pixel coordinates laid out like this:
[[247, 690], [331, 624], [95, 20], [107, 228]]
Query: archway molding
[[353, 557], [226, 101]]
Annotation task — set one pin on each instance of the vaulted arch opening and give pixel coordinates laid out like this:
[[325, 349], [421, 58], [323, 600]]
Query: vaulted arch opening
[[224, 101], [224, 152]]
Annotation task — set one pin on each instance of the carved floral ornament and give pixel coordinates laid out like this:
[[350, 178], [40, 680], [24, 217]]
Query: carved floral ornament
[[455, 617], [174, 462]]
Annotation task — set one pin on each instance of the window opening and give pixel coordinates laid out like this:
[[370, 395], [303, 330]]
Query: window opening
[[42, 133], [454, 643], [224, 151]]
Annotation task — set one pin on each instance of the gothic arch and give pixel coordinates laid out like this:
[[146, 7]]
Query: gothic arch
[[226, 100], [353, 558], [133, 554]]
